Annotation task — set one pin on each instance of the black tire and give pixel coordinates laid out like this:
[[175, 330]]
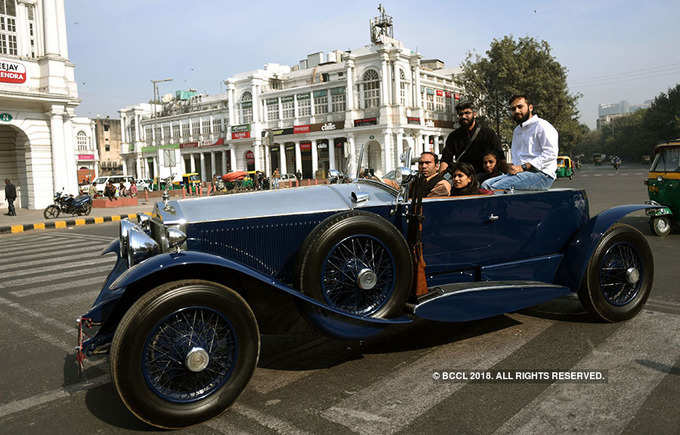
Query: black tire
[[391, 265], [186, 398], [571, 177], [51, 212], [85, 210], [610, 291], [660, 225]]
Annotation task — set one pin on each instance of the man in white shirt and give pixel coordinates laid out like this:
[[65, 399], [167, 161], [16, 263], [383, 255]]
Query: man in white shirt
[[534, 151]]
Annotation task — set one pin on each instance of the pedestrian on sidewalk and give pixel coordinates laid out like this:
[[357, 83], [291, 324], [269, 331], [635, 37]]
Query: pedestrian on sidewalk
[[10, 196]]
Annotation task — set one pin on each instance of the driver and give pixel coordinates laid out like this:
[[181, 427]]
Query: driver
[[435, 183]]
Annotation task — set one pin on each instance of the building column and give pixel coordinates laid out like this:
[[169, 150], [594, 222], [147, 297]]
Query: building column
[[384, 82], [331, 153], [58, 152], [399, 148], [71, 169], [352, 156], [315, 159], [125, 169], [202, 166], [51, 29], [193, 162], [298, 157], [224, 161], [396, 83], [267, 161], [387, 158], [232, 159], [257, 153], [212, 163], [282, 158], [156, 171], [138, 168], [349, 91]]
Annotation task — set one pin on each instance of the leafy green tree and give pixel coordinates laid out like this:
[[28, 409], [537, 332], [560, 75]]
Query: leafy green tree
[[524, 66]]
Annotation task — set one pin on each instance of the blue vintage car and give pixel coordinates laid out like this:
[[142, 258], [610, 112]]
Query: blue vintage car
[[177, 312]]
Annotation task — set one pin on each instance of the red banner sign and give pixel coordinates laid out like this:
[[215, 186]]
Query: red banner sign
[[440, 93], [302, 128], [456, 96], [447, 94], [240, 134], [365, 121], [305, 146], [188, 145], [250, 157], [85, 156], [12, 72]]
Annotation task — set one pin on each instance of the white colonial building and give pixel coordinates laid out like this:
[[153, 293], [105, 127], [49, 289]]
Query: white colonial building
[[311, 117], [38, 96]]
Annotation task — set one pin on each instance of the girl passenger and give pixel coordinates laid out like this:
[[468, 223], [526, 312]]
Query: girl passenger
[[464, 180]]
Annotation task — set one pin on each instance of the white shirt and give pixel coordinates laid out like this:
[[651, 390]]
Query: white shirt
[[535, 142]]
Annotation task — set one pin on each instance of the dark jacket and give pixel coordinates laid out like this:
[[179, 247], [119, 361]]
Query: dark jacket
[[10, 192], [485, 142]]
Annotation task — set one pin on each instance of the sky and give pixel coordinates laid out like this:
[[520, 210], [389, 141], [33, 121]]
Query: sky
[[613, 50]]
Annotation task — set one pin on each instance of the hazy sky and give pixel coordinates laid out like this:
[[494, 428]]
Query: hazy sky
[[613, 50]]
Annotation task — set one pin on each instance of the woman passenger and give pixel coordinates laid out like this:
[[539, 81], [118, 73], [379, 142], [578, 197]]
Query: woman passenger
[[491, 164], [464, 180]]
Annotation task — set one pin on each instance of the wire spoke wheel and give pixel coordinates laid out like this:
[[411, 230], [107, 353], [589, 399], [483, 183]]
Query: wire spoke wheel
[[51, 212], [189, 354], [358, 274], [620, 274]]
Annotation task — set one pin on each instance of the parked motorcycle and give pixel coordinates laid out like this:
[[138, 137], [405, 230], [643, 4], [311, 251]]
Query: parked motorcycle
[[78, 206]]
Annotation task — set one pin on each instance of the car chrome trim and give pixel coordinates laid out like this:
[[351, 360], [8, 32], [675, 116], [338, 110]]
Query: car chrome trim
[[470, 287]]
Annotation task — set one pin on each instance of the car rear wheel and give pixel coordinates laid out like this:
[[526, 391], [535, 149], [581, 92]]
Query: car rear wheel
[[660, 225], [357, 262], [619, 276], [184, 352]]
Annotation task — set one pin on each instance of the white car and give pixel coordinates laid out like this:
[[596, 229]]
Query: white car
[[144, 183], [100, 182]]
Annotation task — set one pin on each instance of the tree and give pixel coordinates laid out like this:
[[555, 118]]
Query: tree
[[525, 66]]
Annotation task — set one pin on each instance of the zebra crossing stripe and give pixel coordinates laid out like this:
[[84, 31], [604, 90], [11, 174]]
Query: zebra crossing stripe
[[268, 421], [97, 280], [52, 245], [43, 261], [50, 268], [53, 277], [632, 355], [380, 407], [86, 247]]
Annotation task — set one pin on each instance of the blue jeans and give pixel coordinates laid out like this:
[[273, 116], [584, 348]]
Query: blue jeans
[[520, 181]]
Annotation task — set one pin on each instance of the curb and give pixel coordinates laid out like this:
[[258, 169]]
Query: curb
[[20, 228]]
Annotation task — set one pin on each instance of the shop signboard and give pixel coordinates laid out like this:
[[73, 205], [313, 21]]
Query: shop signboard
[[240, 131], [188, 145], [287, 99], [303, 96], [282, 131], [297, 129], [250, 157], [327, 126], [305, 146], [413, 120], [365, 121], [456, 96], [290, 147], [322, 146], [12, 72], [219, 142], [85, 156], [149, 149], [440, 93], [5, 117]]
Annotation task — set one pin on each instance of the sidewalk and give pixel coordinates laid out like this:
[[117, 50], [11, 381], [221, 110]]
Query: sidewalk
[[27, 220]]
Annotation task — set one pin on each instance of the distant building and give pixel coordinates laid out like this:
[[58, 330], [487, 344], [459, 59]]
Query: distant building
[[608, 112], [311, 117], [108, 134], [85, 152]]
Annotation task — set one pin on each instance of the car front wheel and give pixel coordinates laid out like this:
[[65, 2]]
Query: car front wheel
[[619, 276], [184, 352]]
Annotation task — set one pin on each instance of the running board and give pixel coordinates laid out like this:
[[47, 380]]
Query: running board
[[462, 302]]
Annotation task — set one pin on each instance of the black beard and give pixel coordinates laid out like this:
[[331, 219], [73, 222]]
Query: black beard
[[523, 118]]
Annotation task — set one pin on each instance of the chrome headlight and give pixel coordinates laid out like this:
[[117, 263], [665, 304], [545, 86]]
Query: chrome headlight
[[141, 246], [175, 238], [125, 227], [144, 221]]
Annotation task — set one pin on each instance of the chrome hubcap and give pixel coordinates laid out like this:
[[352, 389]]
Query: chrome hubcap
[[197, 359], [366, 279], [632, 275], [661, 225]]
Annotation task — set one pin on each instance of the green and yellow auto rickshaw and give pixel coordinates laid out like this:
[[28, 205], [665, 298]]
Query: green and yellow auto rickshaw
[[663, 187], [565, 167], [191, 182]]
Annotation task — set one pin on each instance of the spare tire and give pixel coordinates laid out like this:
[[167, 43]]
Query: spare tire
[[357, 262]]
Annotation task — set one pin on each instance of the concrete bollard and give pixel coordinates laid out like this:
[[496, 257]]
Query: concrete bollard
[[146, 195]]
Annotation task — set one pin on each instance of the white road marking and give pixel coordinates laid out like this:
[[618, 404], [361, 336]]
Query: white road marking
[[268, 421], [88, 296], [265, 381], [97, 280], [56, 257], [51, 254], [32, 313], [50, 396], [632, 355], [85, 236], [20, 241], [34, 246], [54, 277], [220, 425], [48, 338], [67, 265], [389, 405]]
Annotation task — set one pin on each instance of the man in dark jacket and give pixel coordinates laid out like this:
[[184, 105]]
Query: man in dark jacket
[[471, 141], [10, 196]]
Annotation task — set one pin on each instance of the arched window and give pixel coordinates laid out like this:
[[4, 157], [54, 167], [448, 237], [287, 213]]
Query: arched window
[[403, 87], [371, 83], [246, 108], [82, 141]]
